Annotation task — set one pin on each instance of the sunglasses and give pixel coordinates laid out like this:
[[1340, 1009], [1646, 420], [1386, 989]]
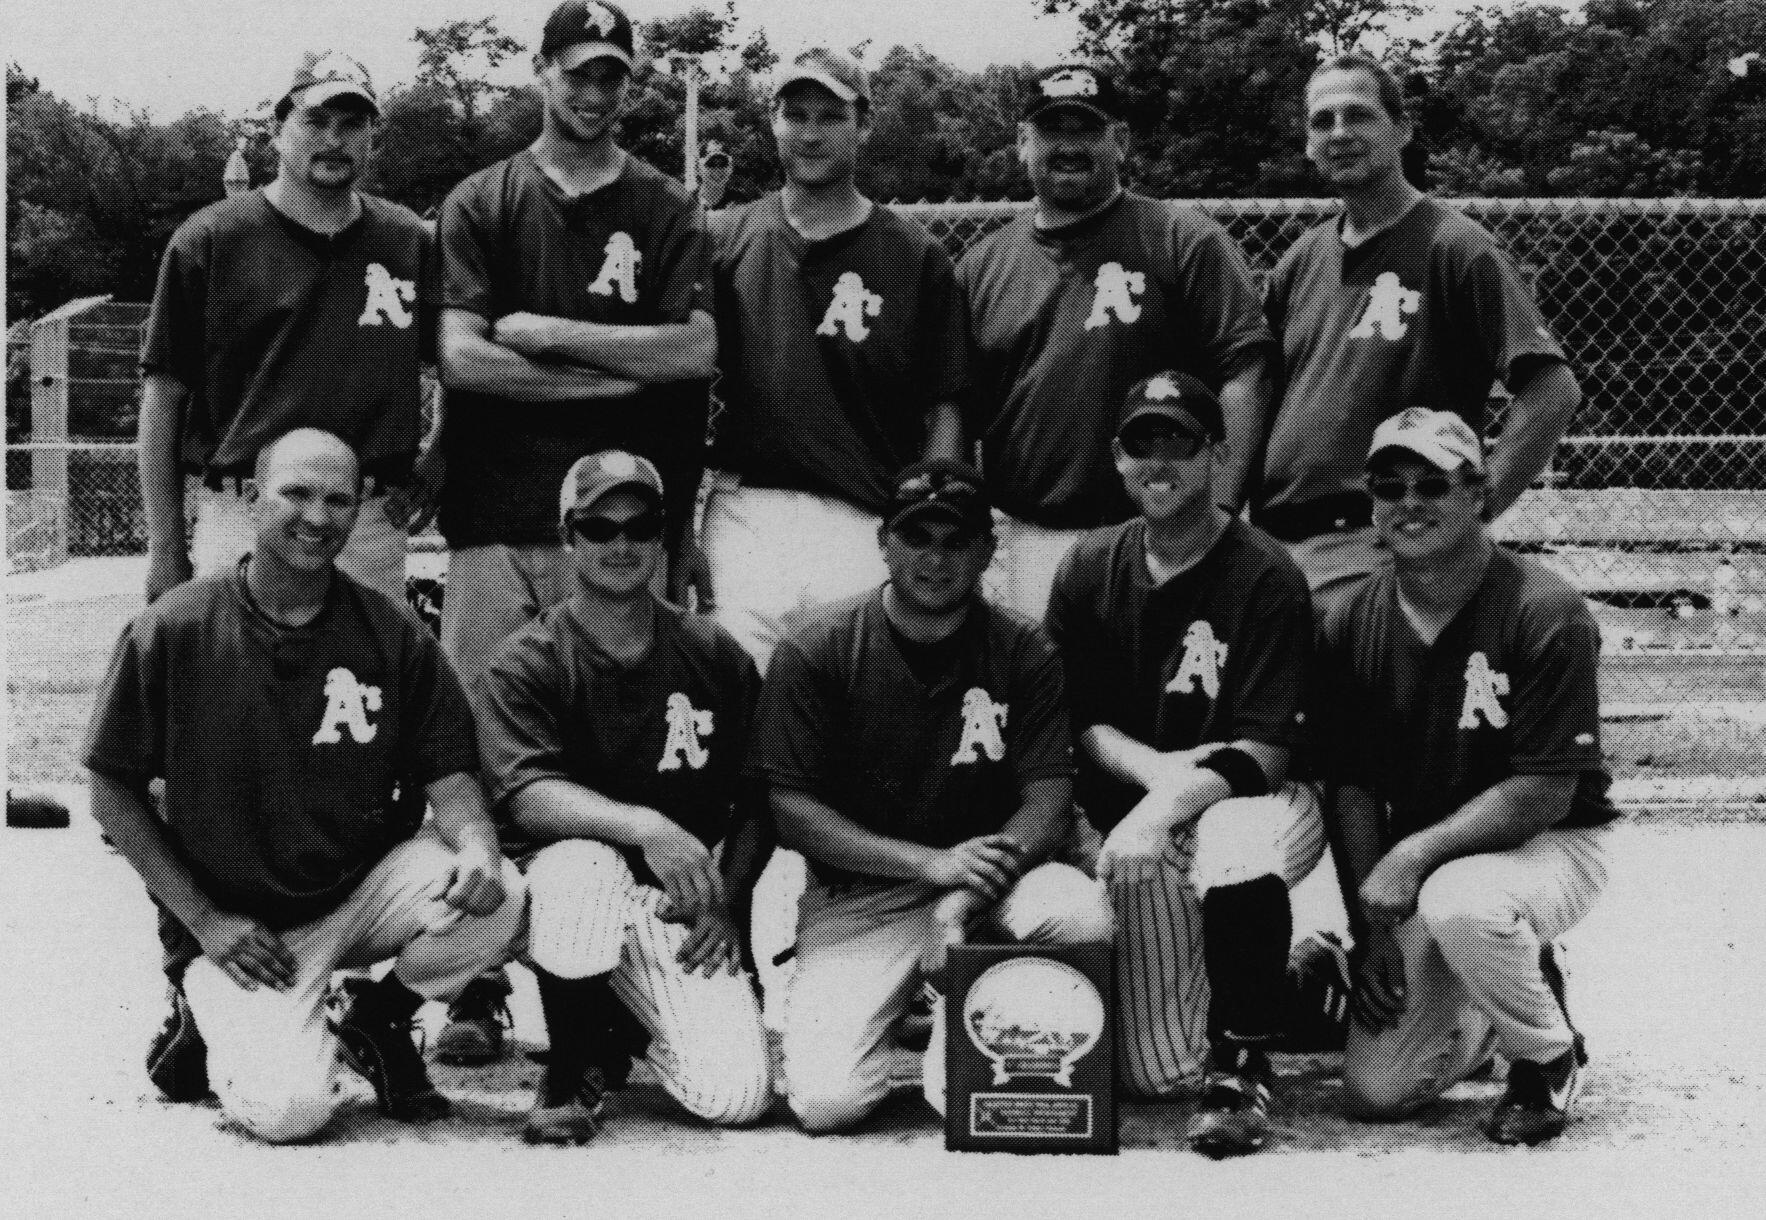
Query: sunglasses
[[1165, 442], [1390, 488], [645, 527], [919, 538]]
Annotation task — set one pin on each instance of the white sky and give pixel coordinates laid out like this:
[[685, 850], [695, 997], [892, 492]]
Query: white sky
[[170, 56]]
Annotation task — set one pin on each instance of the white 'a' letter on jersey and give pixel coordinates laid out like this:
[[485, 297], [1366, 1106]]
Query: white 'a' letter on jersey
[[1203, 659], [984, 722], [1483, 685], [851, 305], [387, 297], [619, 271], [347, 704], [1117, 290], [686, 726], [1388, 301]]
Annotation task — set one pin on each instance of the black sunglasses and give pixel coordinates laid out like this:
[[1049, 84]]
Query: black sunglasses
[[919, 538], [1390, 488], [1164, 441], [645, 527]]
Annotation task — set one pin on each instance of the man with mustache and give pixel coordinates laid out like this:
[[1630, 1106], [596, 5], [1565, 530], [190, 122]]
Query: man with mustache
[[307, 303], [1073, 302]]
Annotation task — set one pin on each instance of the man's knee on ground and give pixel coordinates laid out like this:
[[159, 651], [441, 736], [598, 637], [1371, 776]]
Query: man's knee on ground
[[822, 1111], [576, 913], [728, 1090], [285, 1115], [1056, 904], [829, 1091], [1381, 1093]]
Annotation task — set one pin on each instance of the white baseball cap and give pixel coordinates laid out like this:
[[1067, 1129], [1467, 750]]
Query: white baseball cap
[[1440, 438]]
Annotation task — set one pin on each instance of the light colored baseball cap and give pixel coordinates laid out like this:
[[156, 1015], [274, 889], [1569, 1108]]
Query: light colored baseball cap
[[834, 72], [595, 475], [1440, 438], [322, 76]]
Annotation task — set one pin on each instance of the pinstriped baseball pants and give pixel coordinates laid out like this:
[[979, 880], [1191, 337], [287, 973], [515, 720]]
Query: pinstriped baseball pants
[[589, 916]]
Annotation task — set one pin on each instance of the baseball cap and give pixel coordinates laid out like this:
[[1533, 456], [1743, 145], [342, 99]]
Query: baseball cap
[[581, 30], [1440, 438], [832, 71], [593, 476], [1174, 396], [1073, 87], [940, 487], [324, 75]]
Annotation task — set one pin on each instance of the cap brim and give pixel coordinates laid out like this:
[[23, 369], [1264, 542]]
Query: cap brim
[[1440, 459], [331, 90], [939, 509], [579, 53], [797, 75], [1170, 411], [1079, 104]]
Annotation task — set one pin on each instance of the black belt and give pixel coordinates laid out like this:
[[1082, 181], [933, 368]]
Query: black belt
[[1341, 513]]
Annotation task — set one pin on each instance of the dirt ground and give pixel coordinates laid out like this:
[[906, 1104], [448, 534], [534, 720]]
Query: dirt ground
[[1666, 981]]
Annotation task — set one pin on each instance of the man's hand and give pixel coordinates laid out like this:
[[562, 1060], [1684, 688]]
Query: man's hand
[[1388, 895], [1378, 999], [413, 506], [476, 884], [248, 951], [691, 576], [988, 865], [687, 872], [950, 926], [527, 333], [714, 944], [166, 570]]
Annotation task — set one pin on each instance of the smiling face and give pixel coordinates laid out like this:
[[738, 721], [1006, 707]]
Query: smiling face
[[305, 498], [1350, 135], [1166, 468], [935, 563], [326, 148], [818, 135], [1421, 526], [620, 567], [1074, 158], [583, 103]]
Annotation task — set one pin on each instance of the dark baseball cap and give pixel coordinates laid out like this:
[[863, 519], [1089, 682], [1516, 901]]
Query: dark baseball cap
[[1174, 396], [940, 487], [834, 72], [1073, 87], [581, 30], [323, 76], [595, 475]]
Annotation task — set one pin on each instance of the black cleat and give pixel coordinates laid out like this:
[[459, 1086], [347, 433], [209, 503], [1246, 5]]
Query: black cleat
[[476, 1021], [568, 1116], [1536, 1105], [376, 1042], [1233, 1117], [177, 1059]]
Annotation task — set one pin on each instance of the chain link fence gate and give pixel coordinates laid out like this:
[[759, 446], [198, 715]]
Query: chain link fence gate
[[1654, 505]]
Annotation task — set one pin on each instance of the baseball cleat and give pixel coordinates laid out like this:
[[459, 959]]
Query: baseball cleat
[[568, 1116], [1536, 1105], [1233, 1117], [376, 1042], [177, 1060], [476, 1021], [1319, 983]]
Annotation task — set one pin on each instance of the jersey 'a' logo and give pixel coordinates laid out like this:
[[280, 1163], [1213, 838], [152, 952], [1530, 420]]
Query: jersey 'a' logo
[[387, 297], [1117, 290], [1388, 301], [1203, 659], [619, 273], [852, 304], [347, 704], [984, 722], [1483, 685], [686, 725]]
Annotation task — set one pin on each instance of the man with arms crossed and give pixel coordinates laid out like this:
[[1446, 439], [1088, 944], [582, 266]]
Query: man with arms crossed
[[305, 304], [841, 340], [1186, 635], [614, 728], [1398, 301], [916, 743], [1471, 809], [282, 704], [1073, 302]]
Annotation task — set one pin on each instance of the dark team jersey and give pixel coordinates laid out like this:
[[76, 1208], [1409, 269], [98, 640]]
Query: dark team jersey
[[272, 326], [632, 253], [831, 352], [669, 733], [1063, 321], [844, 719], [280, 746], [1508, 688], [1428, 313], [1219, 652]]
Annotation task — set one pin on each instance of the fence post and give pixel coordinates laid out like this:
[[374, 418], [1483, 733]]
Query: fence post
[[49, 417]]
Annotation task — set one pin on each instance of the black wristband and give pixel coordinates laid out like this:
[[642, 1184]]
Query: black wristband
[[1239, 770]]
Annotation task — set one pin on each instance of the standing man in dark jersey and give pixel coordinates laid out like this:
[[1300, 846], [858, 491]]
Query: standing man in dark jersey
[[1073, 302], [841, 341], [1398, 302], [576, 317], [305, 304]]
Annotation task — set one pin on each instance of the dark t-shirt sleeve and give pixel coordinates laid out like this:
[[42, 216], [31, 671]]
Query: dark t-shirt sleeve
[[466, 242], [942, 345], [429, 299], [791, 724], [684, 273], [520, 737], [1042, 733], [1338, 718], [1503, 316], [125, 739], [438, 722], [1273, 659], [1067, 624], [1222, 298], [172, 343], [1555, 725]]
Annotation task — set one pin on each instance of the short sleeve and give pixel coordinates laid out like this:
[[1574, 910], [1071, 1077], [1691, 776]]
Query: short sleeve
[[173, 340], [796, 713], [942, 358], [1274, 656], [1504, 316], [683, 265], [438, 732], [1071, 629], [467, 249], [1340, 727], [1555, 723], [1225, 316], [429, 297], [520, 734], [125, 739], [1039, 729]]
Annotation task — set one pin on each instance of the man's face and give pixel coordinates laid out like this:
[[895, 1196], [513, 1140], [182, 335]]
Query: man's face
[[1074, 158], [1435, 514], [326, 148], [306, 504], [616, 545], [584, 102], [1167, 467], [934, 563], [819, 136], [1349, 135]]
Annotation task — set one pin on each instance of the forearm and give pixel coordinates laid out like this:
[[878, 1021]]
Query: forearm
[[1244, 402], [460, 816], [944, 432], [485, 367], [1537, 417], [1043, 820], [831, 838], [671, 351], [559, 809], [163, 400], [139, 837], [745, 854], [1503, 816], [1356, 834], [1121, 756]]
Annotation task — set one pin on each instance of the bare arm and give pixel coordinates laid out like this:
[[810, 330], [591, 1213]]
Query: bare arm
[[1135, 762], [944, 431], [1537, 416], [163, 399], [465, 826], [471, 360], [670, 351], [1244, 402]]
